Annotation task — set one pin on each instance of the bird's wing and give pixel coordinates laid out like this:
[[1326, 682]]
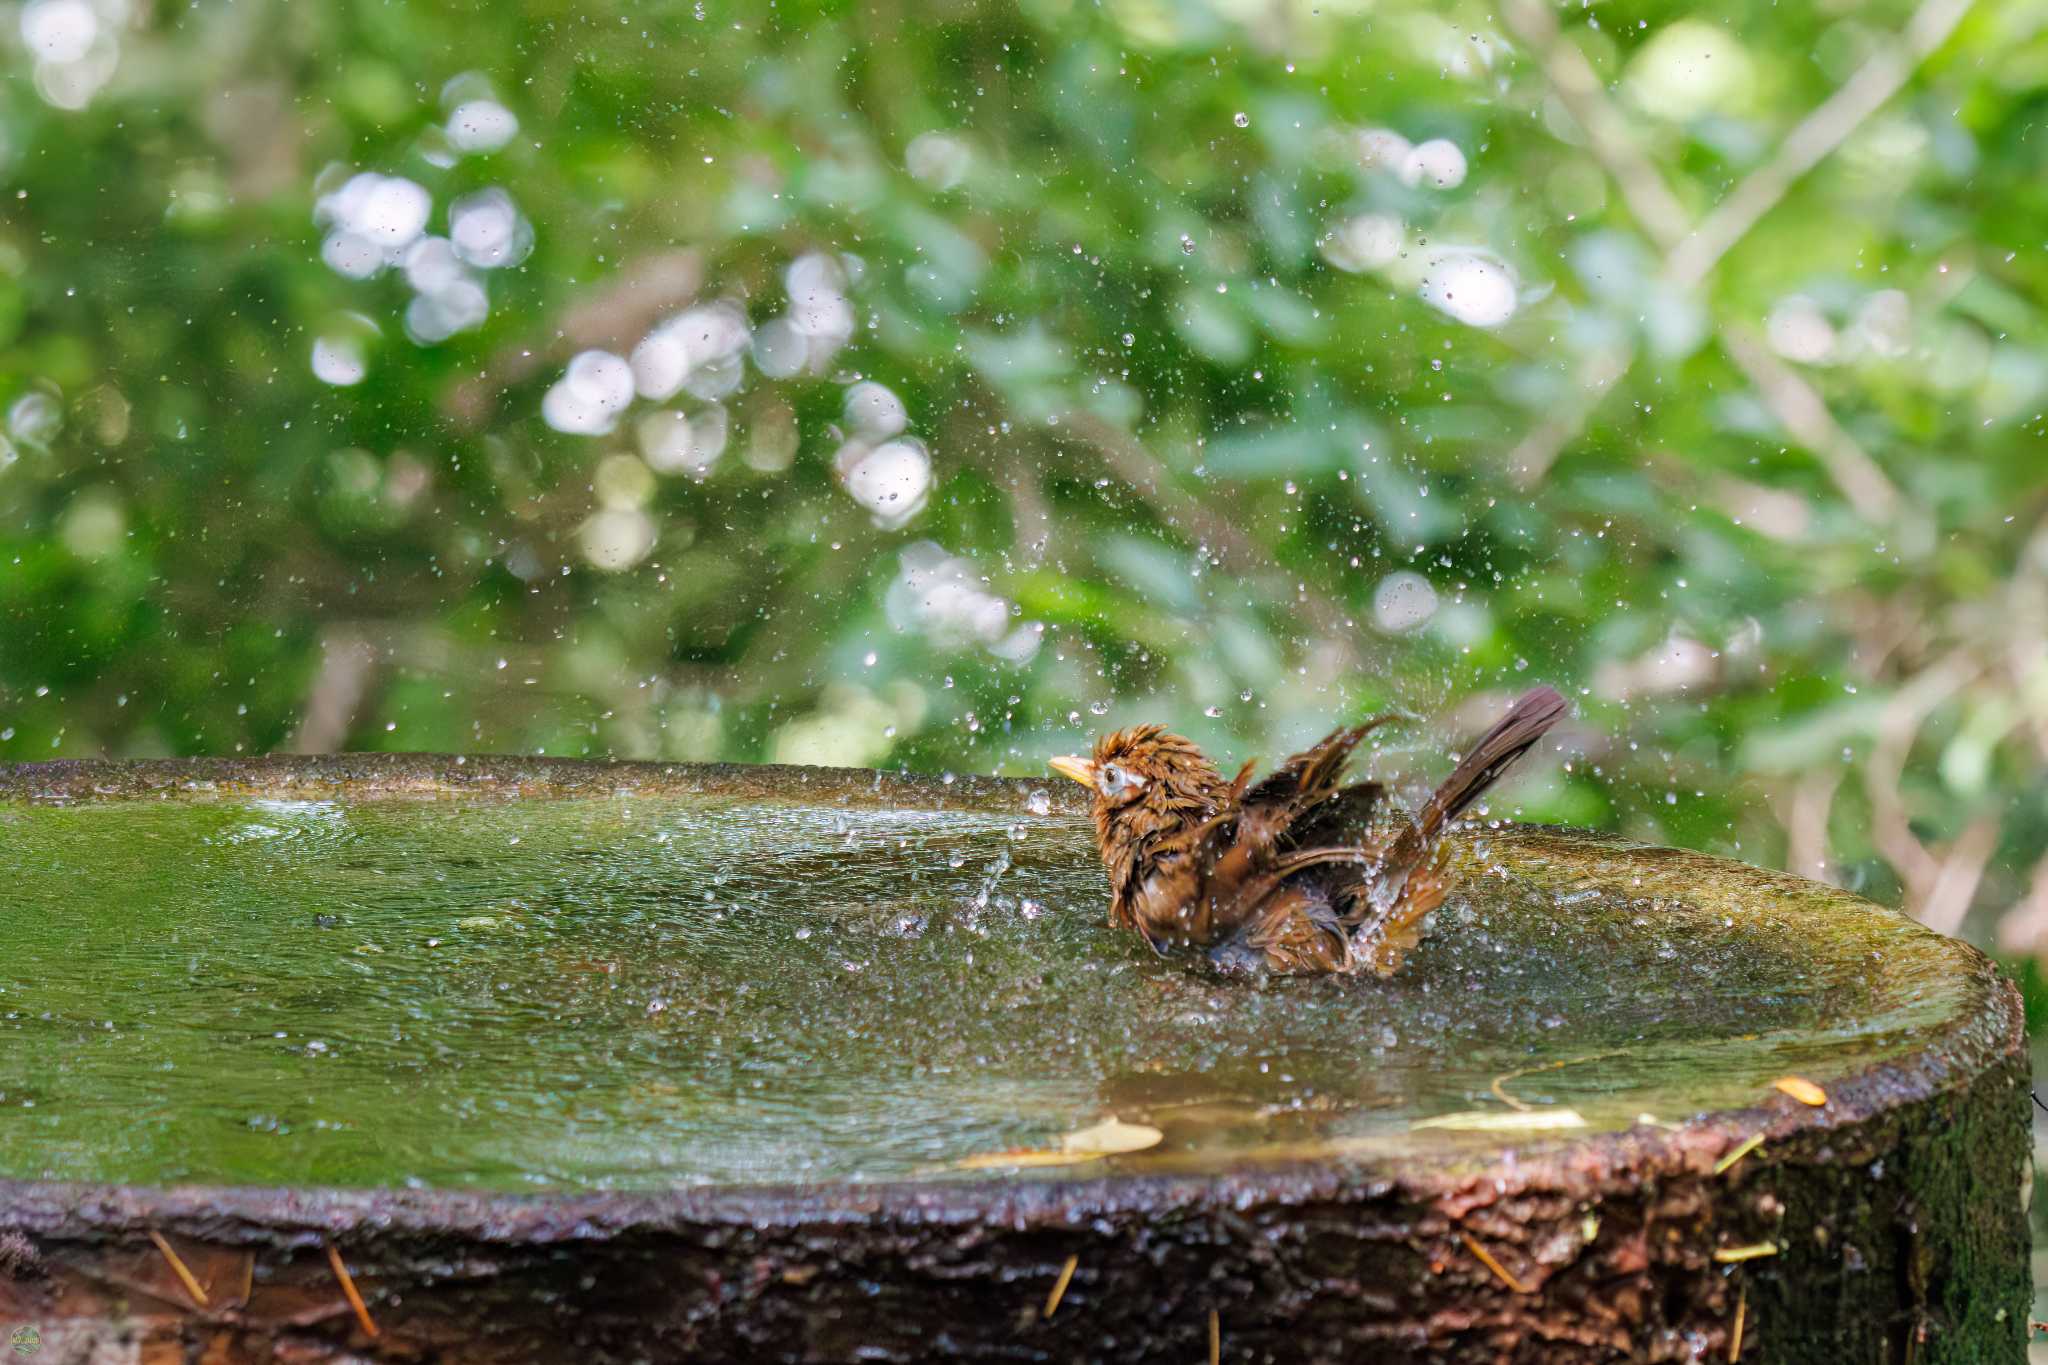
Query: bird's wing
[[1309, 778], [1297, 932], [1346, 817], [1385, 884], [1270, 817], [1164, 899], [1272, 811], [1380, 935]]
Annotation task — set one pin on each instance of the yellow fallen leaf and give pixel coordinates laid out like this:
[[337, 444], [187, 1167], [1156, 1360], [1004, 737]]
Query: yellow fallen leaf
[[1022, 1156], [1731, 1255], [1801, 1089], [1059, 1290], [1498, 1121], [1111, 1137], [1748, 1145]]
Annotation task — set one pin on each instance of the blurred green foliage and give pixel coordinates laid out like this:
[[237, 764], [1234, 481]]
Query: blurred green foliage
[[1246, 404]]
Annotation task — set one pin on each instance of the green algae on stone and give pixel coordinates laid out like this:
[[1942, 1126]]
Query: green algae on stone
[[652, 980]]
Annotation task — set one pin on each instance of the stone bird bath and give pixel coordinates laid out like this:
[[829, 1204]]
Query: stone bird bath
[[481, 1060]]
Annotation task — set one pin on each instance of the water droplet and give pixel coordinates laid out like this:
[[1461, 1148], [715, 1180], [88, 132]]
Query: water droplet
[[1243, 120]]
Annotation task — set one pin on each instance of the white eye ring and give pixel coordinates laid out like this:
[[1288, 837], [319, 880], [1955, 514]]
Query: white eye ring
[[1114, 781]]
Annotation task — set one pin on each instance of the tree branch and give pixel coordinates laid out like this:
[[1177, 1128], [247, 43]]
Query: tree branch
[[346, 664], [1804, 414], [1890, 826], [1691, 251], [1813, 140]]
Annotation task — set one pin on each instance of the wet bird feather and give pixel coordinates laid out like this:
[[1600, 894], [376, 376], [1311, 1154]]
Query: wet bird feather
[[1295, 873]]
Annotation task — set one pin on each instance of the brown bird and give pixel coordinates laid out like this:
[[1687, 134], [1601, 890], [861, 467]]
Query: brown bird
[[1292, 874]]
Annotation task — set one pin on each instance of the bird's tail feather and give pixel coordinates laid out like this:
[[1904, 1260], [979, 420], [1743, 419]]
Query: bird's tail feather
[[1513, 735]]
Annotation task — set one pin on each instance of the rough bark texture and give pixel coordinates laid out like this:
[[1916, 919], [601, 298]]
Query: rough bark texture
[[1892, 1220]]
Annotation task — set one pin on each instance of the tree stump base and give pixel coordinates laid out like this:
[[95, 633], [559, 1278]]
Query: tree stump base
[[546, 991]]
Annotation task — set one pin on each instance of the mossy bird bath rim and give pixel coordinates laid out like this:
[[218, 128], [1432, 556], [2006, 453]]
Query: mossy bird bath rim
[[1313, 1225]]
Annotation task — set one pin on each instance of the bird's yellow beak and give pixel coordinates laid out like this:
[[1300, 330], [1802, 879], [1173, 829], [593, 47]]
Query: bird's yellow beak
[[1080, 769]]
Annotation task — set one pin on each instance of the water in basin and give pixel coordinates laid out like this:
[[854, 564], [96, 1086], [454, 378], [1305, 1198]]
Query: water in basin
[[642, 992]]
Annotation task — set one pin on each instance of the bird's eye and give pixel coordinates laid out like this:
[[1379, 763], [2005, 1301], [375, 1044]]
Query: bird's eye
[[1114, 781]]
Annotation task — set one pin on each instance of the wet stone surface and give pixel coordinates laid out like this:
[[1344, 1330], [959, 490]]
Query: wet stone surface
[[648, 983]]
